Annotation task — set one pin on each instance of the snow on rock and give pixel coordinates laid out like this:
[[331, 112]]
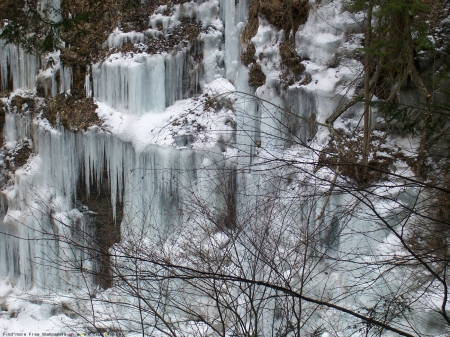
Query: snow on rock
[[220, 88], [117, 38]]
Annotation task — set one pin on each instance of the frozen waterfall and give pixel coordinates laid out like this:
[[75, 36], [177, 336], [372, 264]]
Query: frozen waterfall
[[191, 168]]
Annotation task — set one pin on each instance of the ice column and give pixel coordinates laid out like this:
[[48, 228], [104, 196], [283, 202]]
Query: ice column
[[17, 67], [155, 188], [233, 17], [136, 85], [87, 84], [66, 79]]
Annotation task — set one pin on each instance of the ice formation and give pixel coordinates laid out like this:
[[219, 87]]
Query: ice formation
[[18, 67], [157, 160]]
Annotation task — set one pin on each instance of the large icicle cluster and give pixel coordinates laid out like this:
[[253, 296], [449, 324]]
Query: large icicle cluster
[[17, 67], [140, 84], [149, 185]]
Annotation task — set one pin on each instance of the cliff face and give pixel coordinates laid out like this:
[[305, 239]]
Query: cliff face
[[169, 167]]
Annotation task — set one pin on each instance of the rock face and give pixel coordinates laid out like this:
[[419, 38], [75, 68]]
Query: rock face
[[105, 222], [190, 141]]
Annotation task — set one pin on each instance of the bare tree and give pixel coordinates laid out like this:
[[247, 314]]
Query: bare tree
[[301, 250]]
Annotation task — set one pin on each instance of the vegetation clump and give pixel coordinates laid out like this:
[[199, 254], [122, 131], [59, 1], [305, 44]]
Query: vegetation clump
[[73, 113], [285, 15], [290, 59], [19, 103], [256, 77], [290, 62], [248, 56], [179, 37], [345, 158]]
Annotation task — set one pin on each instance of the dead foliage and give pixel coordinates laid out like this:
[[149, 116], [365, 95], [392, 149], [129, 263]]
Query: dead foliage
[[286, 79], [307, 80], [290, 59], [291, 64], [345, 158], [430, 233], [71, 112], [282, 14], [217, 103], [248, 56], [20, 103], [256, 77]]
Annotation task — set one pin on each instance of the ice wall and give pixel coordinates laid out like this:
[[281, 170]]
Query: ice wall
[[144, 83], [153, 186], [136, 85], [18, 69]]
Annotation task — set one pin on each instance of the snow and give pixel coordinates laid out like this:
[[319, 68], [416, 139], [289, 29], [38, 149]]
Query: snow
[[322, 34], [117, 38], [220, 87]]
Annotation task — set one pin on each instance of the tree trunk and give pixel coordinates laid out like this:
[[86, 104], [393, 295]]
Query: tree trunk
[[367, 59]]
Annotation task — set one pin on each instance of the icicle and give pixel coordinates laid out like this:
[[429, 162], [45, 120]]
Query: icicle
[[233, 27], [117, 38], [10, 131], [54, 86], [135, 85], [4, 60], [66, 79], [87, 83], [17, 65]]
